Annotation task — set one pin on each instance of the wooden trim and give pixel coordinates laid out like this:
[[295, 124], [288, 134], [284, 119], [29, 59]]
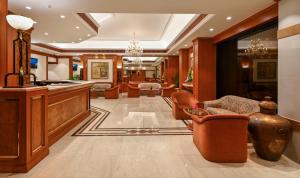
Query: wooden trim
[[188, 29], [48, 47], [86, 18], [289, 31], [42, 53], [255, 20]]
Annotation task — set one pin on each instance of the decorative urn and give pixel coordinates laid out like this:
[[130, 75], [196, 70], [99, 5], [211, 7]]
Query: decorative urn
[[269, 132]]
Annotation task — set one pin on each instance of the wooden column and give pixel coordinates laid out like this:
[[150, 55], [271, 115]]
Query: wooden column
[[71, 68], [3, 40], [204, 69], [171, 69], [162, 69], [166, 64], [183, 65]]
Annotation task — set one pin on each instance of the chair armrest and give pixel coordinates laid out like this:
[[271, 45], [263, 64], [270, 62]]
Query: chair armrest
[[219, 117], [213, 103]]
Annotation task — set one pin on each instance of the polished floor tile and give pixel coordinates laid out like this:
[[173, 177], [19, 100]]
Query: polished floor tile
[[144, 156]]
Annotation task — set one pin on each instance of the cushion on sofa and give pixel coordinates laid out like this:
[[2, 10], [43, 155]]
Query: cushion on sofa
[[101, 86], [147, 86], [219, 111]]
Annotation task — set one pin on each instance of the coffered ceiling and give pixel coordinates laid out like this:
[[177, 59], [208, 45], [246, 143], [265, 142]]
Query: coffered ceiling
[[59, 24]]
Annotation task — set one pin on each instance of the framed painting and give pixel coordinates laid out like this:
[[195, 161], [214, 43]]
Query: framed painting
[[265, 70], [99, 70]]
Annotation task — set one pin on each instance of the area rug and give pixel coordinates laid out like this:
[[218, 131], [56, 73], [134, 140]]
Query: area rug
[[94, 127]]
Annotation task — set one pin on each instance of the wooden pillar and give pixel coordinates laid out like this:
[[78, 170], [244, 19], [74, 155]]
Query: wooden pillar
[[71, 68], [166, 64], [3, 40], [183, 65], [171, 70], [84, 69], [204, 81], [162, 70]]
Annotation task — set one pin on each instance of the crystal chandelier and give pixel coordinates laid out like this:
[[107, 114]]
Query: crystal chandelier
[[256, 47], [134, 48]]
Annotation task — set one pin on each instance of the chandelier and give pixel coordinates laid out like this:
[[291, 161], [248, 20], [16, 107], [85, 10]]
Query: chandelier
[[134, 48], [255, 48]]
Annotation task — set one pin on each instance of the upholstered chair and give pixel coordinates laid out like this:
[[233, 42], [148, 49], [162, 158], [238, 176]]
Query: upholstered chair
[[181, 100], [221, 138], [112, 93], [232, 105], [133, 92], [167, 91]]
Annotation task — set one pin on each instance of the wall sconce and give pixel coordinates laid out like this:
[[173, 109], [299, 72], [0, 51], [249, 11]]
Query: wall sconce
[[119, 66], [21, 24], [246, 63]]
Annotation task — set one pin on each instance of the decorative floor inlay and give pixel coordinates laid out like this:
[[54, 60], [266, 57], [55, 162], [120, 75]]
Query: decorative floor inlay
[[94, 126]]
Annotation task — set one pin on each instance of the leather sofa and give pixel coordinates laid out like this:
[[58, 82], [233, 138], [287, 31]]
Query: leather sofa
[[133, 92], [232, 105], [181, 100], [221, 138], [112, 93], [167, 91], [99, 88]]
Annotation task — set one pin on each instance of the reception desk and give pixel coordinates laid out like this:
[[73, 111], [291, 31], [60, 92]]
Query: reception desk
[[33, 118]]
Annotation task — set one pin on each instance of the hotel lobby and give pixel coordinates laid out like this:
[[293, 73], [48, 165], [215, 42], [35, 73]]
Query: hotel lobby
[[140, 89]]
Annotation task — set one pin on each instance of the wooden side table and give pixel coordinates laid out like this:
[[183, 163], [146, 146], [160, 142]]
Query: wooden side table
[[199, 112], [151, 93]]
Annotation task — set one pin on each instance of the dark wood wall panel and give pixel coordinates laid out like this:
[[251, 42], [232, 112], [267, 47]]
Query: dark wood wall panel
[[9, 129]]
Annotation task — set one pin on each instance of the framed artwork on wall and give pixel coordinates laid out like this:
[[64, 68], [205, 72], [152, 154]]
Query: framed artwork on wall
[[100, 70], [265, 70]]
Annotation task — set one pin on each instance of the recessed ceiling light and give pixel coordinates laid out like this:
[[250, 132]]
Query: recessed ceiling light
[[28, 7], [34, 22], [73, 42], [228, 18], [186, 45], [77, 27], [88, 35], [80, 39], [62, 16], [41, 50], [211, 29], [46, 33]]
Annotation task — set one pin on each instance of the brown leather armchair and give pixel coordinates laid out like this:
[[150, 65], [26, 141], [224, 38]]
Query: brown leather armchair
[[221, 138], [181, 100], [167, 91], [112, 93], [133, 92]]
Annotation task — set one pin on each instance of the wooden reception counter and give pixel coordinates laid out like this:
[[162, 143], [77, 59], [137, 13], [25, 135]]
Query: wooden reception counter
[[32, 119]]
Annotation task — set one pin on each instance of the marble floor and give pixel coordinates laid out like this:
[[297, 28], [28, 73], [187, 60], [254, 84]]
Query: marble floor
[[172, 156]]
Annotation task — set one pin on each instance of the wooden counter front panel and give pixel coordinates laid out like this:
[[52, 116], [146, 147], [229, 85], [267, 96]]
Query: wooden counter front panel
[[65, 110], [9, 122]]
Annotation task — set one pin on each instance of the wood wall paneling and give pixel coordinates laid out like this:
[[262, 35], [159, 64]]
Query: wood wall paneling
[[204, 82], [289, 31], [183, 65], [264, 16], [3, 38], [171, 70]]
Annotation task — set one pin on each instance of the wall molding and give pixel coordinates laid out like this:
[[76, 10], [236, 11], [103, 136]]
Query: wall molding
[[289, 31], [264, 16]]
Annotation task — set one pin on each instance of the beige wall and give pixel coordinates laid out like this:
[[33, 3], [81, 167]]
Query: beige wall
[[59, 71], [41, 70], [289, 71]]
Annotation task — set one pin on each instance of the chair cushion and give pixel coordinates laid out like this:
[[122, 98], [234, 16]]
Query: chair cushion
[[147, 86], [101, 86], [219, 111]]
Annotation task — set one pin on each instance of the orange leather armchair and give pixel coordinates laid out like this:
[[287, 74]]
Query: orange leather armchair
[[167, 91], [221, 138], [112, 93], [133, 92], [181, 100]]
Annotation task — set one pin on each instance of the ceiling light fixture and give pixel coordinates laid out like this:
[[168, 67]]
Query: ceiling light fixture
[[28, 7], [88, 35], [211, 29], [77, 27], [228, 18], [62, 16], [134, 50], [46, 34], [186, 45], [80, 39]]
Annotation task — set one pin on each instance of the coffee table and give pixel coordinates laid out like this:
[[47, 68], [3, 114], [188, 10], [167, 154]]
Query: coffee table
[[151, 93], [199, 112]]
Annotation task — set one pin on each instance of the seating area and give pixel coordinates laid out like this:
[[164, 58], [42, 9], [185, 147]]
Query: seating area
[[138, 89]]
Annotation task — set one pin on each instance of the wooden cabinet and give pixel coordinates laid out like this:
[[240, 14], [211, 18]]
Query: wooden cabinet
[[23, 128]]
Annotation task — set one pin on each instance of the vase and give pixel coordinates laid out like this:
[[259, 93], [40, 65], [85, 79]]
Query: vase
[[269, 132]]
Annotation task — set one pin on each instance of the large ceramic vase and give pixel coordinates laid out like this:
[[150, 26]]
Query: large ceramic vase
[[270, 133]]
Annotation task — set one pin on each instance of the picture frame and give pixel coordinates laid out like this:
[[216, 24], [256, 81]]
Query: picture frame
[[265, 70], [99, 70]]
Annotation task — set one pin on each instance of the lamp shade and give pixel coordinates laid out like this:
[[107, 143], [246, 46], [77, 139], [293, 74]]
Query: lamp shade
[[19, 22]]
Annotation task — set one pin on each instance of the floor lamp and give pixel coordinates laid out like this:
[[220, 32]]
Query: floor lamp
[[21, 24]]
